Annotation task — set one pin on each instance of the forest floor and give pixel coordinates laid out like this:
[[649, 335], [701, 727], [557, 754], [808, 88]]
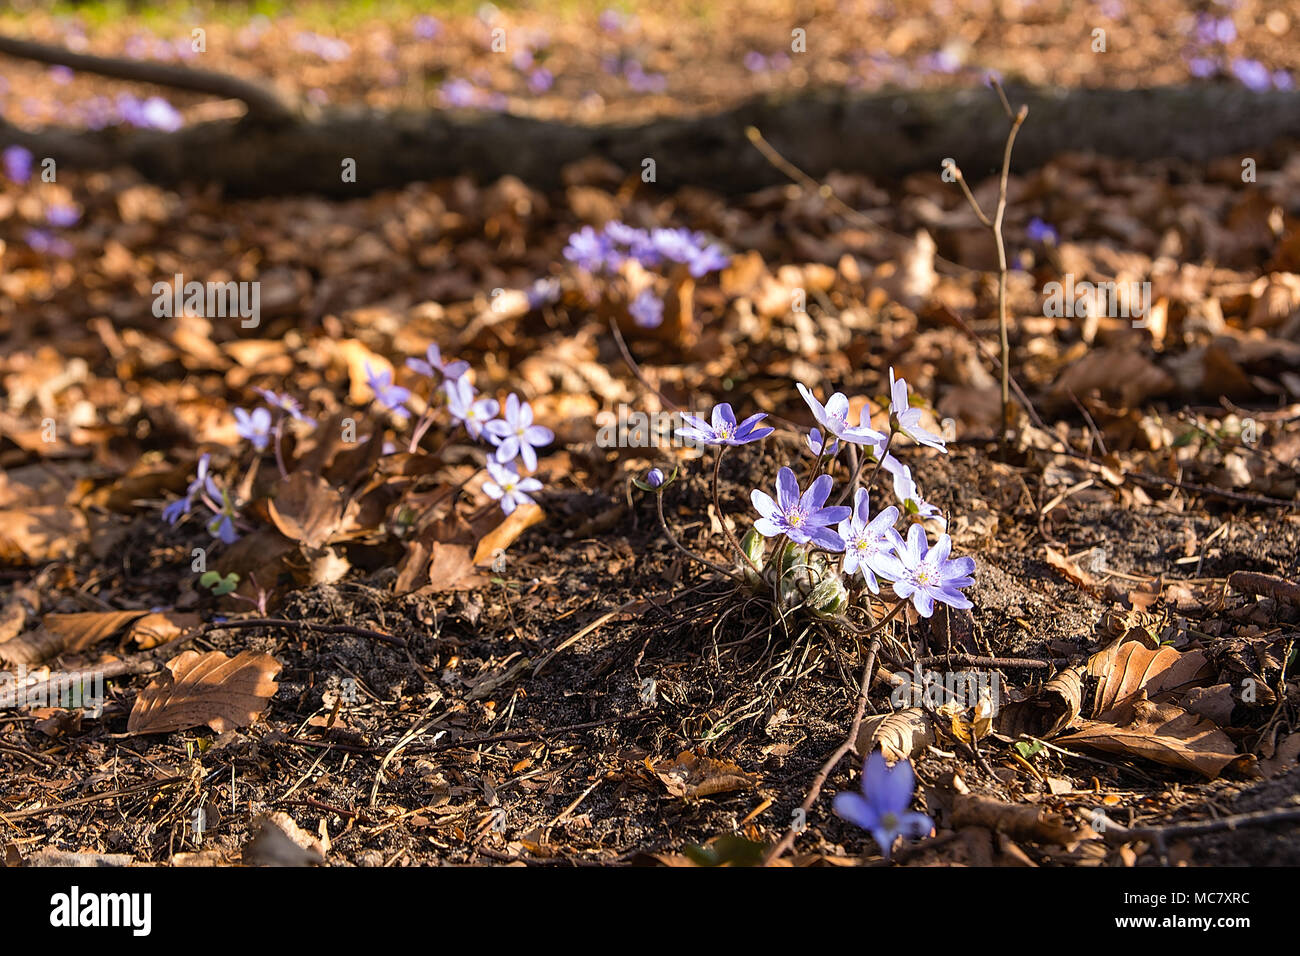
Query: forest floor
[[439, 684]]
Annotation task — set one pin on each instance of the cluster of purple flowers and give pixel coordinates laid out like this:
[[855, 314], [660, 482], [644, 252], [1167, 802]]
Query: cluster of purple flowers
[[606, 250], [514, 434], [1207, 57], [871, 544], [203, 488]]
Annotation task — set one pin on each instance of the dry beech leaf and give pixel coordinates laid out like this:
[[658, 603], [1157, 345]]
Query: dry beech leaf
[[1166, 734], [65, 634], [162, 627], [278, 841], [900, 736], [1135, 669], [1048, 712], [1071, 570], [691, 776], [307, 509], [1034, 824], [1284, 757], [210, 688], [504, 534], [39, 534]]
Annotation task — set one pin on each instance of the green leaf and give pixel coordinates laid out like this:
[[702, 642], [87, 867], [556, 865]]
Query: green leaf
[[209, 578]]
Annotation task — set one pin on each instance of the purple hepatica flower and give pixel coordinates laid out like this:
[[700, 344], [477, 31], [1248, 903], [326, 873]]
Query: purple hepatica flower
[[643, 82], [202, 483], [1211, 30], [516, 436], [436, 363], [286, 403], [61, 75], [755, 62], [157, 113], [392, 397], [1282, 80], [647, 309], [544, 292], [927, 574], [588, 249], [834, 417], [17, 161], [540, 80], [426, 27], [906, 491], [907, 419], [800, 518], [1202, 67], [869, 543], [1253, 75], [1039, 231], [817, 444], [459, 93], [473, 413], [48, 244], [881, 807], [508, 488], [255, 427], [654, 478], [724, 430], [62, 216]]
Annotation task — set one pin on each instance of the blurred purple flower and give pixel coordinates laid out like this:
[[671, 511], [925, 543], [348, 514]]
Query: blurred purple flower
[[17, 161], [647, 309], [255, 427], [62, 215], [426, 27], [1253, 75], [540, 80], [392, 397], [1039, 231]]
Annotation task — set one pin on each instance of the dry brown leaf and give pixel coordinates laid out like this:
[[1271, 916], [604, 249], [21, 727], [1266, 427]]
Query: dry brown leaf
[[307, 509], [42, 533], [161, 627], [1048, 712], [278, 841], [1135, 669], [65, 634], [900, 735], [210, 688], [690, 776], [1071, 570], [499, 538], [1166, 734], [1284, 757], [1031, 823]]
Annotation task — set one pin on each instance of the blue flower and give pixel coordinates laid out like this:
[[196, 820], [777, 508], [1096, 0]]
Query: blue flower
[[392, 397], [927, 574], [800, 517], [881, 807], [907, 419], [588, 249], [724, 430], [17, 162], [202, 483], [508, 488], [1039, 231], [647, 309], [654, 477], [516, 436], [906, 491], [869, 542], [436, 363], [286, 403], [834, 417], [817, 444], [255, 427], [473, 413]]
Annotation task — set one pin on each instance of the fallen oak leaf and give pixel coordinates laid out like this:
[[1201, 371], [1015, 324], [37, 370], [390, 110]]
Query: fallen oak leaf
[[211, 689], [691, 776], [1049, 711], [1133, 670], [900, 735], [65, 634], [1165, 734]]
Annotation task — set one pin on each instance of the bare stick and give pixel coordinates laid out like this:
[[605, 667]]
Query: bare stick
[[850, 742], [1114, 833], [260, 101], [994, 225]]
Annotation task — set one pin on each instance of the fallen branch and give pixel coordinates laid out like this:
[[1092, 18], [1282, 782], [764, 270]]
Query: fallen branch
[[261, 102], [1114, 833], [1265, 585]]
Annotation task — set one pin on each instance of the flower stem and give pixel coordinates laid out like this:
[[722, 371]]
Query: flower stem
[[663, 523], [852, 485], [279, 452], [722, 519]]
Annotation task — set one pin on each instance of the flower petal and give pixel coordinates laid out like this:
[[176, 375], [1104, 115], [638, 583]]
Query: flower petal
[[787, 489]]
